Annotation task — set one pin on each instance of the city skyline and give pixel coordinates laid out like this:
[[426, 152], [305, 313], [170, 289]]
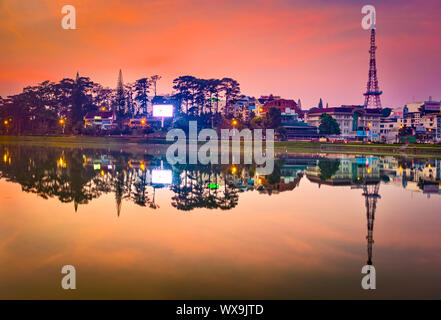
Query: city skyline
[[280, 48]]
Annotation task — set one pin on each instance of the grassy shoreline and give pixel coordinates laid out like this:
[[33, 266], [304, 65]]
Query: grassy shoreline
[[280, 146]]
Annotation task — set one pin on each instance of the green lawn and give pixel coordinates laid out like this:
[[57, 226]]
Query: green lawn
[[280, 146]]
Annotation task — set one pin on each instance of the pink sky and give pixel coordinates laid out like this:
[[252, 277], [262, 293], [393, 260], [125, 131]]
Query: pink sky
[[296, 49]]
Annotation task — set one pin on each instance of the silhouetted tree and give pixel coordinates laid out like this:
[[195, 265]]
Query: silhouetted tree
[[141, 93], [328, 125], [120, 101], [328, 168], [231, 90], [154, 79], [320, 105], [80, 98], [274, 118]]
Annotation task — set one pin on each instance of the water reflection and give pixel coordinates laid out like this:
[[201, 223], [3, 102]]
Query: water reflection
[[286, 231], [81, 175]]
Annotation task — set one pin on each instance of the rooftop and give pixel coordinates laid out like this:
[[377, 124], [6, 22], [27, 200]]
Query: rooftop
[[344, 109], [102, 114]]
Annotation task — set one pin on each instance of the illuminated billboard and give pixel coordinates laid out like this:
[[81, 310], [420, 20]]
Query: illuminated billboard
[[162, 176], [163, 110]]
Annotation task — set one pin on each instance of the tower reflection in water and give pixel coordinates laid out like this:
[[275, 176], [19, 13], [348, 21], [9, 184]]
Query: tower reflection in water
[[361, 172]]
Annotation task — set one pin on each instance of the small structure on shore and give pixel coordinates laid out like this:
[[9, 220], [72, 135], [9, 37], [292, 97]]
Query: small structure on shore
[[104, 120]]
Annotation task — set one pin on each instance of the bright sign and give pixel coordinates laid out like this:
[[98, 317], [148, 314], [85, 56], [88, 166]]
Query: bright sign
[[162, 176], [163, 110], [366, 134]]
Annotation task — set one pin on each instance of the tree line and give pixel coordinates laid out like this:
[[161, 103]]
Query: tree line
[[65, 176], [50, 107], [203, 95]]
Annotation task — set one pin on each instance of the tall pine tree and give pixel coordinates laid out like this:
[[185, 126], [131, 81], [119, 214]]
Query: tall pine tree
[[154, 79], [320, 106], [141, 93], [80, 98], [120, 98]]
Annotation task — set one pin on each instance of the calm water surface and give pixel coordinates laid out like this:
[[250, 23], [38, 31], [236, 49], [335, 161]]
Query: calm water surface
[[135, 227]]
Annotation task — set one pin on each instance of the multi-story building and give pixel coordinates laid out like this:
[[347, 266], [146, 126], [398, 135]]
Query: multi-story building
[[423, 107], [413, 107], [411, 119], [101, 119], [438, 128], [389, 129], [287, 107], [356, 122], [429, 122], [246, 106], [431, 106], [421, 117]]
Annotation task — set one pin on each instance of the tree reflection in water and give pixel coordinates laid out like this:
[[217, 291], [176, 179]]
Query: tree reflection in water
[[80, 175]]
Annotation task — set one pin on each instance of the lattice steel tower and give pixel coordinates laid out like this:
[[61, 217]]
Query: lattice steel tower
[[372, 95]]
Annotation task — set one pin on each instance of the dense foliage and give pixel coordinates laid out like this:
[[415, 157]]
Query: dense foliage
[[328, 125], [54, 108]]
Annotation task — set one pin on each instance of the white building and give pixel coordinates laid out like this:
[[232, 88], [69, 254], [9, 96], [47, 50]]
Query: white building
[[429, 121], [438, 128], [356, 122], [389, 129]]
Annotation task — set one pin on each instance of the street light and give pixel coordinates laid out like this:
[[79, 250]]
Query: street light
[[62, 163], [234, 122]]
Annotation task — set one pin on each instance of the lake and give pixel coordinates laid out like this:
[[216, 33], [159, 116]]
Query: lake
[[135, 227]]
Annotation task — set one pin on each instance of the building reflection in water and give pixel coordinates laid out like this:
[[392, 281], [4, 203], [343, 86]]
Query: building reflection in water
[[80, 175]]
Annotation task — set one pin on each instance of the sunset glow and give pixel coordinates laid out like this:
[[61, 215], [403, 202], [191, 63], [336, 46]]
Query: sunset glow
[[296, 49]]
